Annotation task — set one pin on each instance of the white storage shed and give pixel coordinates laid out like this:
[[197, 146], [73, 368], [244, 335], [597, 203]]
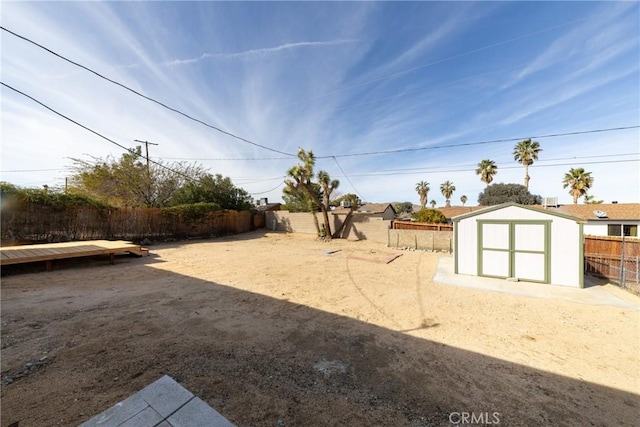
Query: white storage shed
[[519, 241]]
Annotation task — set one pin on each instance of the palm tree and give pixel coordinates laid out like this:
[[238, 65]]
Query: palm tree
[[433, 204], [423, 190], [463, 199], [578, 181], [590, 199], [525, 152], [447, 188], [487, 169]]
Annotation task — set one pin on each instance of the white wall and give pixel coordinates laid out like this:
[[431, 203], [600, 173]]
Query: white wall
[[601, 228], [595, 229]]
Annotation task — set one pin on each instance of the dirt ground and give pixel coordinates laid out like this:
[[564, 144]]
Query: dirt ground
[[270, 330]]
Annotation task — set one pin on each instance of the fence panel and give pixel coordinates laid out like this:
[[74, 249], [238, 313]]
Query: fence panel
[[35, 223], [614, 258], [410, 225]]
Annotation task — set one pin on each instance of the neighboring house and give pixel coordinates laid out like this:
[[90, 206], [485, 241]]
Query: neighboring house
[[612, 219], [451, 211], [519, 241], [263, 205], [385, 211]]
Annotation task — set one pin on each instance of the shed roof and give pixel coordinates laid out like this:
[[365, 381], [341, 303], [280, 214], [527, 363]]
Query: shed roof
[[485, 209]]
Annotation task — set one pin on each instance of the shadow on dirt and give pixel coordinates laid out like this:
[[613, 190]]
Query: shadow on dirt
[[261, 361]]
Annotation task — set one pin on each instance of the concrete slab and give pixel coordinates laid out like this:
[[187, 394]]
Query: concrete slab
[[118, 413], [593, 295], [148, 417], [163, 403], [165, 396], [197, 413]]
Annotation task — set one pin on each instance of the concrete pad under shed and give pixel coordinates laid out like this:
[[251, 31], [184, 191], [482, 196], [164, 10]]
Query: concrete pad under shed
[[592, 295], [163, 403]]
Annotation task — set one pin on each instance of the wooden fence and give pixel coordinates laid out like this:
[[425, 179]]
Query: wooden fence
[[615, 258], [35, 223], [410, 225]]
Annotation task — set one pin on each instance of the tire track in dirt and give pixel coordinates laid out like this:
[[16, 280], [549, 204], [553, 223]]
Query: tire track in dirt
[[369, 300]]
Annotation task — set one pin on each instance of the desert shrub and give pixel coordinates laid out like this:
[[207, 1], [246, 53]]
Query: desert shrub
[[192, 211], [431, 216]]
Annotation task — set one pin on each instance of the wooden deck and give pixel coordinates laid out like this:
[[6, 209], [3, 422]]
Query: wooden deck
[[52, 251]]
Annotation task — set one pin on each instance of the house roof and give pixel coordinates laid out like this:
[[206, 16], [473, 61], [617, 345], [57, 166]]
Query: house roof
[[269, 207], [367, 208], [485, 209], [614, 211], [451, 211]]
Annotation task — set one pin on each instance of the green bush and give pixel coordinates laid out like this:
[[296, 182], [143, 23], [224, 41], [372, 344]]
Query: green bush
[[431, 216], [54, 199], [192, 211]]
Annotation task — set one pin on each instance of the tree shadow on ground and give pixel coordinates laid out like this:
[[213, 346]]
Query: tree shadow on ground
[[259, 360]]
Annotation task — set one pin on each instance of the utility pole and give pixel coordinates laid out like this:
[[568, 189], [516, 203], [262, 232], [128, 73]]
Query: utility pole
[[146, 145]]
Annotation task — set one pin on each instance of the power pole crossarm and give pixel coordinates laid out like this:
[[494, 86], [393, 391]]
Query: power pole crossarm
[[146, 145]]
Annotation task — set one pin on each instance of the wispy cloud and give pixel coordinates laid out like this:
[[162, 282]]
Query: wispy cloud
[[331, 49], [256, 53], [604, 35]]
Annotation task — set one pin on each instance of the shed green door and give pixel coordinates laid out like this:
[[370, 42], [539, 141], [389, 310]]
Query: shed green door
[[514, 249]]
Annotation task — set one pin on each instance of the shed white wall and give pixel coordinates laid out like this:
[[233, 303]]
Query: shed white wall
[[565, 253], [565, 243], [466, 249]]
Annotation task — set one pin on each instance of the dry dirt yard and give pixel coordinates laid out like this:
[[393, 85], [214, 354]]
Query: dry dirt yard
[[271, 331]]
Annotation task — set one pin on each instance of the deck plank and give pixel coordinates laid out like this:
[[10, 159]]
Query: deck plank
[[53, 251]]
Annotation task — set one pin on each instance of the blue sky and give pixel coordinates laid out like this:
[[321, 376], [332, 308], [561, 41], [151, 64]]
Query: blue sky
[[337, 78]]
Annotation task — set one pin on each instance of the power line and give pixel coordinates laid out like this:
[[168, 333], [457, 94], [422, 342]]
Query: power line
[[348, 179], [410, 149], [466, 144], [144, 96], [224, 159], [94, 132], [433, 147], [505, 167], [32, 170], [112, 141], [258, 180], [268, 191], [433, 169]]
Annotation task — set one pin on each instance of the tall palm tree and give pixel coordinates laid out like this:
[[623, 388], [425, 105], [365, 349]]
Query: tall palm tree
[[463, 199], [578, 181], [423, 191], [433, 204], [525, 152], [447, 188], [487, 169]]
